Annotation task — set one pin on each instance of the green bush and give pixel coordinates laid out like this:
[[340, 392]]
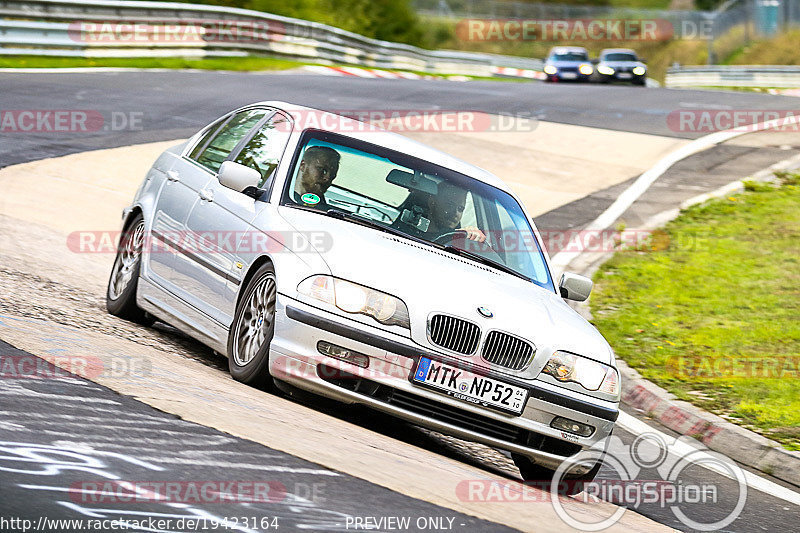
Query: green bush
[[390, 20]]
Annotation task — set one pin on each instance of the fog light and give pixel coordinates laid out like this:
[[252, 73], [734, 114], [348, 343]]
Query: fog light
[[345, 354], [571, 426]]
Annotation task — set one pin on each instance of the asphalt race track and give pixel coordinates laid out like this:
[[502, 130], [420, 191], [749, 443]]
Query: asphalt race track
[[174, 105], [139, 442]]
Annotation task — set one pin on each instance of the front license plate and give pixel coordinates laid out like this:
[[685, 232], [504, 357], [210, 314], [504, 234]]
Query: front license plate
[[568, 75], [472, 388], [624, 75]]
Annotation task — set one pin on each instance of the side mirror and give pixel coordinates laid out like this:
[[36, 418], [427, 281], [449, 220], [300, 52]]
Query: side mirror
[[574, 287], [238, 177]]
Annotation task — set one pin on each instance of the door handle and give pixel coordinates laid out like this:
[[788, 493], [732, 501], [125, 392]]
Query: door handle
[[173, 176], [207, 195]]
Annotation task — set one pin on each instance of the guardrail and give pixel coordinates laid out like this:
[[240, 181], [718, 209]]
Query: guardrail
[[734, 76], [142, 29]]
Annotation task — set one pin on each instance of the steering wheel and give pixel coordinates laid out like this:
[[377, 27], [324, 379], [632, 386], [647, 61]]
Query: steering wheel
[[450, 236], [486, 249]]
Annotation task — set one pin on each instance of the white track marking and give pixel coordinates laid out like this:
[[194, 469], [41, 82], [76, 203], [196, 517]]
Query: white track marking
[[638, 427], [643, 182]]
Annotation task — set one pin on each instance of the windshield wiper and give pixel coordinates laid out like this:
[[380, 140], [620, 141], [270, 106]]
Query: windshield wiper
[[344, 215], [485, 261], [368, 222]]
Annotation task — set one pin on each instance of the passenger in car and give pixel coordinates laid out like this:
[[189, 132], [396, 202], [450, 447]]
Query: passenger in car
[[316, 172]]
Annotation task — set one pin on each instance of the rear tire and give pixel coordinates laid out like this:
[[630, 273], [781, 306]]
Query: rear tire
[[252, 330], [121, 291], [542, 477]]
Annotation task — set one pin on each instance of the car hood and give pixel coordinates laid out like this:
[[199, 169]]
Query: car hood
[[429, 280], [568, 63], [623, 64]]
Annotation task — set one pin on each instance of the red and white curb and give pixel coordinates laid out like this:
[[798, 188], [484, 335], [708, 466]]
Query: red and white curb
[[785, 92], [365, 73], [386, 74], [518, 73]]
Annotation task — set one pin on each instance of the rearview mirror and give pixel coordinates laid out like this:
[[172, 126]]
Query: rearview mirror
[[575, 287], [416, 181], [238, 177]]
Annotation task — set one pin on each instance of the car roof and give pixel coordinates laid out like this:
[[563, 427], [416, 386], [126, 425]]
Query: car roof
[[386, 139], [617, 50], [567, 49]]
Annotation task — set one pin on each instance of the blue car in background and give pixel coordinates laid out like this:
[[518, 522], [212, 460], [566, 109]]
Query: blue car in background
[[568, 63]]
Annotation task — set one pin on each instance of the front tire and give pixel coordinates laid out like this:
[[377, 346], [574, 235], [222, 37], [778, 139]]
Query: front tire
[[121, 292], [252, 330]]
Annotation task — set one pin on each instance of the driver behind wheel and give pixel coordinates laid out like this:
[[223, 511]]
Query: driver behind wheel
[[445, 210]]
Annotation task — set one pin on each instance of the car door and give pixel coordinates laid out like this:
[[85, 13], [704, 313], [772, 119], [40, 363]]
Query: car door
[[175, 199], [223, 216]]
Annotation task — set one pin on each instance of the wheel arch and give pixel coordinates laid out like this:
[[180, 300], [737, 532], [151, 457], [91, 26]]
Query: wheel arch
[[131, 215], [258, 263]]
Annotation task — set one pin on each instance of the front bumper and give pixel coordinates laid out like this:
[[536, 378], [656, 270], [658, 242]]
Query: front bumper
[[385, 386], [627, 77], [569, 76]]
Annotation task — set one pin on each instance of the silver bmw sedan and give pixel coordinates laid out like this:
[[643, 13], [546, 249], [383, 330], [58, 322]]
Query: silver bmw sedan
[[365, 267]]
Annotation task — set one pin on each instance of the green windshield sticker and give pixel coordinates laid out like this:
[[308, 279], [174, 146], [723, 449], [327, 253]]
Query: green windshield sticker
[[310, 198]]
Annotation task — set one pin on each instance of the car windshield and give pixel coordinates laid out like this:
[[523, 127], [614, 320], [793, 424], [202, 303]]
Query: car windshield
[[570, 56], [398, 193], [619, 56]]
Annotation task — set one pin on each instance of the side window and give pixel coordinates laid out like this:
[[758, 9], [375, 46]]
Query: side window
[[468, 218], [264, 151], [201, 143], [228, 137]]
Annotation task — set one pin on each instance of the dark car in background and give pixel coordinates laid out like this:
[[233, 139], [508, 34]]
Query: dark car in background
[[620, 64], [569, 63]]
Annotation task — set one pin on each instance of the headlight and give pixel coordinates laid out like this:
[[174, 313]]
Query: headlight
[[639, 71], [356, 299], [607, 71], [550, 69], [591, 375], [586, 70]]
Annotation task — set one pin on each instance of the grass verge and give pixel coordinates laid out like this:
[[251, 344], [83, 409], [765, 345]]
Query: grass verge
[[714, 316], [216, 63], [222, 63]]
